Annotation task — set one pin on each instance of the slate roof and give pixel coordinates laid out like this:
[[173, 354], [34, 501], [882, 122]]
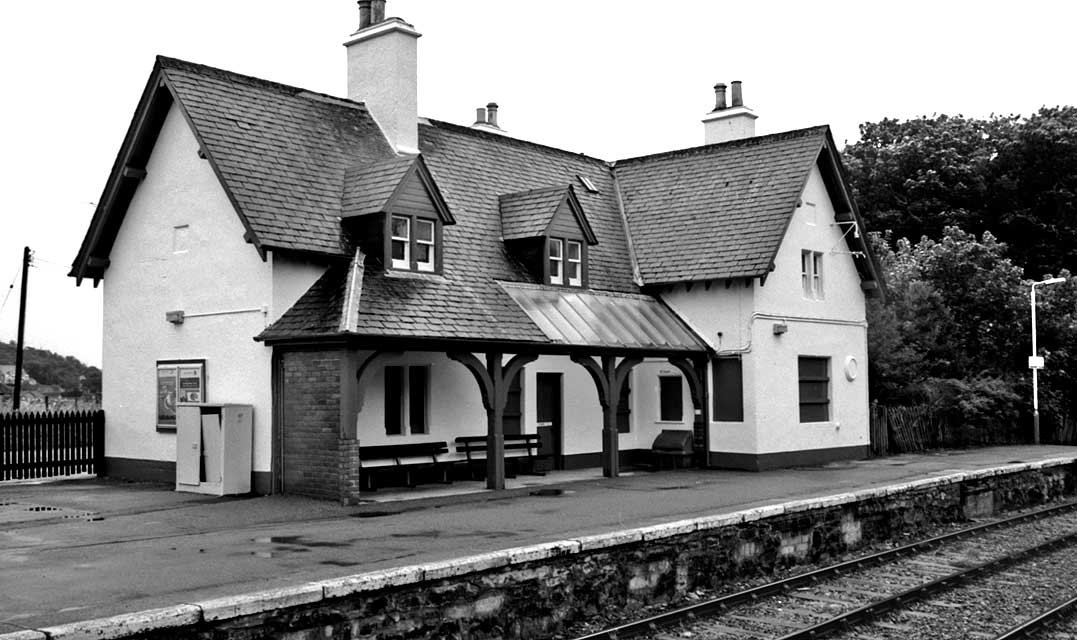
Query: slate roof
[[281, 151], [472, 169], [526, 214], [367, 188], [294, 162], [718, 211]]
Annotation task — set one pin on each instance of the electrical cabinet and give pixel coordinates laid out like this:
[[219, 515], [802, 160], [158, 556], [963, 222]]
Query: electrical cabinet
[[213, 448]]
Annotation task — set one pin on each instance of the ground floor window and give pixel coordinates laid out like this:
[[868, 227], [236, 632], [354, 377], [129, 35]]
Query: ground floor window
[[178, 381], [406, 399], [670, 399], [814, 382], [728, 390]]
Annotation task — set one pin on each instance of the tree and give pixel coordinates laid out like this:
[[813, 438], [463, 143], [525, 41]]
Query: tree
[[954, 332], [1015, 177]]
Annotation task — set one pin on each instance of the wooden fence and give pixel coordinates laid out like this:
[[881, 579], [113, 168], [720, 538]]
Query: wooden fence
[[906, 429], [45, 445]]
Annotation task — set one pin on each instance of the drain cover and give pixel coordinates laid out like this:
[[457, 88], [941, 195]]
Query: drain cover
[[548, 493]]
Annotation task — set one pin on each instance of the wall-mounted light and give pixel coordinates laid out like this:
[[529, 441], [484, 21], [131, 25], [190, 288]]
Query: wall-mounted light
[[780, 328], [175, 317]]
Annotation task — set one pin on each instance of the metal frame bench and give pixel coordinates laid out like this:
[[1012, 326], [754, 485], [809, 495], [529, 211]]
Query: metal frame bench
[[403, 458], [517, 447]]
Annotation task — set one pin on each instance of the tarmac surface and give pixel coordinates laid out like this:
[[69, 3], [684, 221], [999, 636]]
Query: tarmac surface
[[82, 549]]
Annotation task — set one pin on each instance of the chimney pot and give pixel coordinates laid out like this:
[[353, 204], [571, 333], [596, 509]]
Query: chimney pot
[[364, 13], [491, 114], [480, 115], [738, 99], [377, 11], [719, 96]]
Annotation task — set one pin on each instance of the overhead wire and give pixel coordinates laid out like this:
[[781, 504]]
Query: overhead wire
[[11, 287]]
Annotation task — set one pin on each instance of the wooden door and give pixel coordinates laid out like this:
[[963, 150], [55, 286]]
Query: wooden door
[[548, 415]]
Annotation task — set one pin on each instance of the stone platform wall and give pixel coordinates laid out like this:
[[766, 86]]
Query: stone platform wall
[[534, 592]]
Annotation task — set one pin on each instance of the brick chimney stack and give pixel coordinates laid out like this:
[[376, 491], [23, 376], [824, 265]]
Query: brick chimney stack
[[383, 73]]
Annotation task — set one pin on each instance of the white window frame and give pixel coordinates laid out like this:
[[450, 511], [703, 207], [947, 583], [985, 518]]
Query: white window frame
[[660, 419], [405, 262], [811, 274], [578, 280], [407, 423], [558, 260], [432, 243]]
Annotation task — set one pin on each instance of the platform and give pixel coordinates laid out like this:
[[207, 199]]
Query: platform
[[87, 549]]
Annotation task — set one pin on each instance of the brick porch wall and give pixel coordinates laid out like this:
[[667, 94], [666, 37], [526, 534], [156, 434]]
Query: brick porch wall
[[311, 423]]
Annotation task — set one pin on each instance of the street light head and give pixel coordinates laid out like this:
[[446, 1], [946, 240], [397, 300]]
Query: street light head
[[1050, 281]]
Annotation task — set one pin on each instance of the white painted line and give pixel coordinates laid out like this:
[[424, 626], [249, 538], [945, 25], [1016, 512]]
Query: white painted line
[[469, 564], [127, 624], [28, 634], [258, 602], [544, 551], [372, 581]]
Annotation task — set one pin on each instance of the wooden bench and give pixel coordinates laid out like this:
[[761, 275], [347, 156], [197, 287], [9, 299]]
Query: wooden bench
[[518, 447], [403, 458]]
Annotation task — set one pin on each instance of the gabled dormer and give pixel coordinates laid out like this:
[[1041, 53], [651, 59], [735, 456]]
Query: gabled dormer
[[547, 231], [395, 212]]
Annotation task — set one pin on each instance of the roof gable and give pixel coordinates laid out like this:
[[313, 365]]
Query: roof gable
[[533, 213], [718, 211], [397, 185], [280, 153]]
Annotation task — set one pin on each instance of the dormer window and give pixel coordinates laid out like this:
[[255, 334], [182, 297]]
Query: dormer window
[[557, 261], [574, 263], [395, 212], [565, 262], [547, 231], [414, 243]]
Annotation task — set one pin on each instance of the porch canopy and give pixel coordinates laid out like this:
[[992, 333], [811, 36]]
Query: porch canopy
[[607, 333]]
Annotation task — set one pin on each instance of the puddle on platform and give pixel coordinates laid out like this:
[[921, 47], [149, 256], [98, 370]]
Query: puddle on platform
[[299, 541]]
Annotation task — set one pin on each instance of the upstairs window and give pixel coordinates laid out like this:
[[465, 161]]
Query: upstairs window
[[557, 261], [413, 243], [574, 263], [565, 262], [811, 274]]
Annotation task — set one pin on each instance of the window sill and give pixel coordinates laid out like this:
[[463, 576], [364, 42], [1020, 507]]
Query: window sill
[[679, 422], [415, 275]]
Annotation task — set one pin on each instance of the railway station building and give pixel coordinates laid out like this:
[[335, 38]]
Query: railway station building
[[367, 278]]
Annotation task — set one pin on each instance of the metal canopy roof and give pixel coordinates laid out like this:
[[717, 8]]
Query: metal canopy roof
[[593, 319]]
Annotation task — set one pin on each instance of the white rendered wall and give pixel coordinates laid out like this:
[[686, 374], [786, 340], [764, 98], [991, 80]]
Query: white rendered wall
[[291, 279], [455, 404], [646, 419], [147, 276], [581, 414], [728, 312], [833, 327]]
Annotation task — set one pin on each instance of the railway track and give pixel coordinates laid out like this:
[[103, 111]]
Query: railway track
[[978, 582]]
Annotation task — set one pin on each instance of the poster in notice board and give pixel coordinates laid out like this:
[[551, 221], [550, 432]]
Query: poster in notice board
[[178, 382]]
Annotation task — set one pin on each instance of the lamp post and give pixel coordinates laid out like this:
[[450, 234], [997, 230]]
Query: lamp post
[[1036, 363]]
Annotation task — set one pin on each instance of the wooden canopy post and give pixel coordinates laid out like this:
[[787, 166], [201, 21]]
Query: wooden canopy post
[[609, 377], [695, 371], [494, 379]]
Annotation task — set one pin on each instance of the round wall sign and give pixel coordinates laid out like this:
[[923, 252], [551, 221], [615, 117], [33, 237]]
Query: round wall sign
[[851, 368]]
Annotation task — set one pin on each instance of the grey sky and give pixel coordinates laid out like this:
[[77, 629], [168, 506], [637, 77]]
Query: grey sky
[[609, 78]]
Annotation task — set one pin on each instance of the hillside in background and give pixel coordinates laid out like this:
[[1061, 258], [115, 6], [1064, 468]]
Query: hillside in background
[[47, 367]]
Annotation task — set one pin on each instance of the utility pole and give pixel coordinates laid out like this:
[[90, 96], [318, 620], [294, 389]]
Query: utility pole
[[22, 329]]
